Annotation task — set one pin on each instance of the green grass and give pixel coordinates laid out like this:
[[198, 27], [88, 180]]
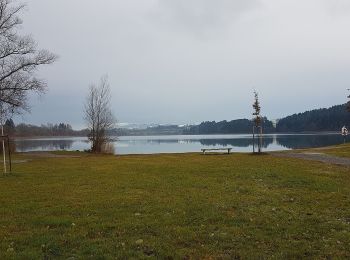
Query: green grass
[[174, 206], [340, 150]]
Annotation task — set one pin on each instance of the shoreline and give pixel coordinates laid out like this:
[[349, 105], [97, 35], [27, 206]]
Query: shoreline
[[160, 135]]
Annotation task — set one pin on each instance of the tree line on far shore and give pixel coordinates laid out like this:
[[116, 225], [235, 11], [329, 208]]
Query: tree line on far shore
[[25, 130], [326, 119], [239, 126]]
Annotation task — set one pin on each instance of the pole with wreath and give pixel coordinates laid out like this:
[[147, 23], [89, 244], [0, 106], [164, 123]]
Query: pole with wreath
[[257, 123]]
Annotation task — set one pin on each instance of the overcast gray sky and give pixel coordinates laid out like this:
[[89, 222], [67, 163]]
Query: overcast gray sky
[[186, 61]]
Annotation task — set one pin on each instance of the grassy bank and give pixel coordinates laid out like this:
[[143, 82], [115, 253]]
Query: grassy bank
[[175, 206]]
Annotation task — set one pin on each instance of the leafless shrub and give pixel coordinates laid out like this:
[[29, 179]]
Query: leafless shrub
[[98, 115], [108, 148]]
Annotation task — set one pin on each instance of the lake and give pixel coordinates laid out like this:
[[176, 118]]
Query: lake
[[183, 143]]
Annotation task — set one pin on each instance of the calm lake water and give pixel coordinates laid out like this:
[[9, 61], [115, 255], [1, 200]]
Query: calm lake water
[[183, 143]]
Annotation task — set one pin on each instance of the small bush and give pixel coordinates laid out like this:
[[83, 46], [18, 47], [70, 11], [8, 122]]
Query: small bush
[[108, 148]]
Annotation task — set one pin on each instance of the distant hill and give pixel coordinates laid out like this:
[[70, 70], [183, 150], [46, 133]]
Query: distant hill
[[325, 119], [28, 130], [239, 126], [150, 130]]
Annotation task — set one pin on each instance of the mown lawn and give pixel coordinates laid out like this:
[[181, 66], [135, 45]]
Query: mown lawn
[[174, 206]]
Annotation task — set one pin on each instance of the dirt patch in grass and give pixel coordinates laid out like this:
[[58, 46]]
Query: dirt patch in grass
[[321, 157], [50, 155]]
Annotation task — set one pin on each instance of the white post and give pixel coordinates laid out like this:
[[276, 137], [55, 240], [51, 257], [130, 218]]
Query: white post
[[3, 148]]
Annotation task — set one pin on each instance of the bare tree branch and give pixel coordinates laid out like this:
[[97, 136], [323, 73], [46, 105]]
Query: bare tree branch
[[19, 60]]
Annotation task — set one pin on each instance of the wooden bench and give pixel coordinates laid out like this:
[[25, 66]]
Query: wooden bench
[[217, 149]]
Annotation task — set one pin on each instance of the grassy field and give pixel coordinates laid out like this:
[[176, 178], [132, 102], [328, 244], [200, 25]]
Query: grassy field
[[174, 206]]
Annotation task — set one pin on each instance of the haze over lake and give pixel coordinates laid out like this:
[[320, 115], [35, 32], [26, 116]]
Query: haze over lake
[[183, 143]]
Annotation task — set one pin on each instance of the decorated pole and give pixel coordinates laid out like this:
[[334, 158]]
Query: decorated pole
[[253, 139], [260, 139], [257, 122]]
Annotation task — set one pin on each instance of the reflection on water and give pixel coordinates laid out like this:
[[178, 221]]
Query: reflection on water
[[244, 142], [38, 144], [51, 144], [179, 144], [309, 141]]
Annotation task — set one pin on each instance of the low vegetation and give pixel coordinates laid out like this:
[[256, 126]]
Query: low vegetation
[[174, 206]]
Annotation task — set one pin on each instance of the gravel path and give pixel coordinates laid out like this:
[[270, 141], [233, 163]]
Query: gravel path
[[50, 155], [321, 157]]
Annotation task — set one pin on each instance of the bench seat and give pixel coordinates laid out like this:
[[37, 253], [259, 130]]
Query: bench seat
[[216, 149]]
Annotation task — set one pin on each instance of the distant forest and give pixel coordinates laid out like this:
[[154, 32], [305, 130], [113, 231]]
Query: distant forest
[[239, 126], [155, 130], [60, 129], [326, 119]]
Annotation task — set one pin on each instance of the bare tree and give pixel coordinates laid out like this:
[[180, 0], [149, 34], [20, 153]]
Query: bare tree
[[19, 60], [257, 122], [98, 115]]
